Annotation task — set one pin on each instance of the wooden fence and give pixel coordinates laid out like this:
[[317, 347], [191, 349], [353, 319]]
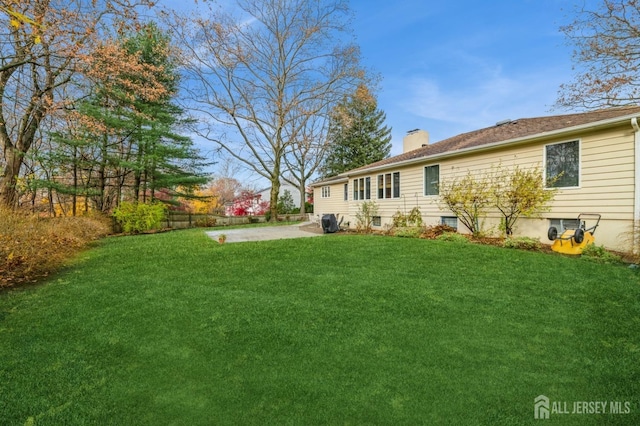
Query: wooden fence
[[181, 220]]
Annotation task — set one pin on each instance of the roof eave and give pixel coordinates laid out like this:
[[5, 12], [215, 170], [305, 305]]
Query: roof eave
[[330, 181], [490, 146]]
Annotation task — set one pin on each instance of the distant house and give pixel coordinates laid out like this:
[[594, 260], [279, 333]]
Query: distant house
[[295, 193], [257, 203], [248, 203], [597, 154]]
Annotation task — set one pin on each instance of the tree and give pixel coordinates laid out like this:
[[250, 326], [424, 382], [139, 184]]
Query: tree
[[468, 198], [606, 56], [253, 77], [357, 134], [215, 195], [124, 134], [39, 57], [285, 203], [517, 192], [306, 154], [514, 192], [248, 203]]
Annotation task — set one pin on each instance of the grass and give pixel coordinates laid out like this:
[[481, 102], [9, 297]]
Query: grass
[[176, 329]]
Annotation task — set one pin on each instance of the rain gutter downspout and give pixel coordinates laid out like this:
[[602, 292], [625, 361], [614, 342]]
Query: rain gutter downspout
[[636, 195]]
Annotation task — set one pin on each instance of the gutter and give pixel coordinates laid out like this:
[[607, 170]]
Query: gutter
[[526, 139], [330, 181], [636, 195]]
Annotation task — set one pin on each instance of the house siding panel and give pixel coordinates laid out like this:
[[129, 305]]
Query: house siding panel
[[334, 203], [606, 186]]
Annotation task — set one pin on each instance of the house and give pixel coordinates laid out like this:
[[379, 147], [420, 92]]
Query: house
[[597, 155], [247, 203], [284, 186]]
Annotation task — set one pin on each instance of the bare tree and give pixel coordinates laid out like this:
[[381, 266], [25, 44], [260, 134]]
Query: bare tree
[[253, 76], [606, 56], [41, 52], [306, 153]]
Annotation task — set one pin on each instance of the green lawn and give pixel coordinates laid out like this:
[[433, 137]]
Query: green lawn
[[176, 329]]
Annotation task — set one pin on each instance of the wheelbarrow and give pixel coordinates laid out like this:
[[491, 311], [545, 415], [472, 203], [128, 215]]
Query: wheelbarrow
[[574, 240]]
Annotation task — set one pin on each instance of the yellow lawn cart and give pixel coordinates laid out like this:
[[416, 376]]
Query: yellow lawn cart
[[574, 240]]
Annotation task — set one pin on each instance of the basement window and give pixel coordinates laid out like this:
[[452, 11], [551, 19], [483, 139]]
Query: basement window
[[451, 221]]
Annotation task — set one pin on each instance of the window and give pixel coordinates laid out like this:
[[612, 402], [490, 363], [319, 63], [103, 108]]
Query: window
[[326, 191], [562, 224], [377, 220], [562, 165], [389, 185], [396, 185], [432, 180], [451, 221], [346, 192], [362, 189], [367, 188]]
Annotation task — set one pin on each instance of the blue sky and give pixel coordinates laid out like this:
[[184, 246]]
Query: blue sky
[[450, 67]]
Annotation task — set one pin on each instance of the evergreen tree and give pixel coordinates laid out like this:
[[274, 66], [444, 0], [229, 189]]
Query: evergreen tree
[[357, 134], [125, 144]]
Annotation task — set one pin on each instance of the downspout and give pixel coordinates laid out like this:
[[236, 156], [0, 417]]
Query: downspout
[[636, 195]]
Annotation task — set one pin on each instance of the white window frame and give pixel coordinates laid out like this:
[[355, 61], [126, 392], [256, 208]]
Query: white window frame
[[325, 191], [362, 188], [578, 186], [443, 219], [391, 178], [424, 180]]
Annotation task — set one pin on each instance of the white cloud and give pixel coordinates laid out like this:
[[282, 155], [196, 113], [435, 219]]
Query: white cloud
[[446, 108]]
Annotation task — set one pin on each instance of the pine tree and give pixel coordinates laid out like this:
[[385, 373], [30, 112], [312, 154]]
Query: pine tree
[[125, 145], [357, 134]]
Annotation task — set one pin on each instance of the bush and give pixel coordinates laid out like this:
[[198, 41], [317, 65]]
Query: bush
[[364, 216], [33, 247], [408, 232], [600, 254], [206, 222], [414, 218], [139, 217], [433, 232], [452, 237], [523, 243]]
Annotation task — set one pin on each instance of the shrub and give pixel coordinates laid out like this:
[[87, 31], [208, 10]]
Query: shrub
[[452, 237], [206, 222], [364, 216], [408, 232], [32, 247], [468, 199], [399, 219], [139, 217], [600, 254], [433, 232], [522, 243], [414, 218]]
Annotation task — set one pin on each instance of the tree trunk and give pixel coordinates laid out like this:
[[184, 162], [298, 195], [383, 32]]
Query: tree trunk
[[303, 199], [9, 179], [273, 199]]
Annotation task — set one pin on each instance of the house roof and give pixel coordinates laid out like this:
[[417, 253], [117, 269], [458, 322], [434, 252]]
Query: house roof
[[503, 132]]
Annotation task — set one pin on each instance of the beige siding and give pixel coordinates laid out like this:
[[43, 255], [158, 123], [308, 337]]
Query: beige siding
[[606, 185], [334, 204]]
